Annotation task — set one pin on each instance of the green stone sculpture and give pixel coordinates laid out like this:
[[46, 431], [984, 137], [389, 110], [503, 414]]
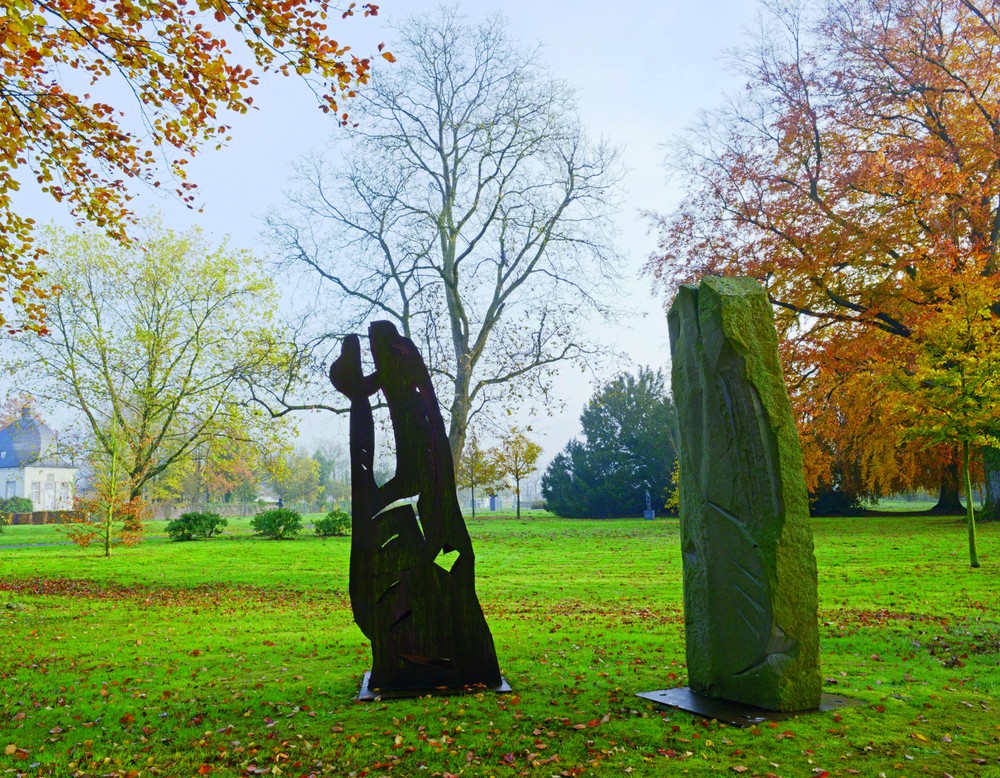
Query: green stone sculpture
[[750, 601]]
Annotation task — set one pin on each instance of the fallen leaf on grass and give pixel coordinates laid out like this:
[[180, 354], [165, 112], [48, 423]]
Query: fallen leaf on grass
[[738, 768], [17, 753]]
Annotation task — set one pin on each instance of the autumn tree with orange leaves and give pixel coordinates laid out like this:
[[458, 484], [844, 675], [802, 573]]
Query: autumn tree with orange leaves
[[858, 178], [58, 56]]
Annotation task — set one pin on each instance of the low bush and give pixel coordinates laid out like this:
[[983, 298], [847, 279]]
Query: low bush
[[16, 505], [334, 523], [189, 526], [277, 523]]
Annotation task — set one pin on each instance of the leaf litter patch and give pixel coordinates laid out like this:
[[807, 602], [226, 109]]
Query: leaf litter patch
[[205, 594]]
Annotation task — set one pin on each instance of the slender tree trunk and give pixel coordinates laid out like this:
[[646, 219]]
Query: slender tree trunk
[[459, 421], [969, 511], [517, 496], [991, 464], [473, 489], [948, 502]]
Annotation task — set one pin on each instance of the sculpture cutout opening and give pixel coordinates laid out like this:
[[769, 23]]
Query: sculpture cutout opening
[[412, 574]]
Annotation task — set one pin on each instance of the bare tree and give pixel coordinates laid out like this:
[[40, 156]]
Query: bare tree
[[469, 209]]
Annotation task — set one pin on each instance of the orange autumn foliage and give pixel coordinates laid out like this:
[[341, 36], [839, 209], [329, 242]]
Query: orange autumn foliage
[[57, 57], [124, 526], [858, 178]]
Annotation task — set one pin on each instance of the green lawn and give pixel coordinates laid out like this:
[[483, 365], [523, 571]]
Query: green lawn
[[239, 656]]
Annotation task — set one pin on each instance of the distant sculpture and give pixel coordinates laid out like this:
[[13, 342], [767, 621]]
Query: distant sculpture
[[750, 599], [412, 574]]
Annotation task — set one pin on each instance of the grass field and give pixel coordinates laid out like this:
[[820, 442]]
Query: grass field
[[239, 656]]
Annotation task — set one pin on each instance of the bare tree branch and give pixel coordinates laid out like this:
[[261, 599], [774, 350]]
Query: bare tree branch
[[471, 211]]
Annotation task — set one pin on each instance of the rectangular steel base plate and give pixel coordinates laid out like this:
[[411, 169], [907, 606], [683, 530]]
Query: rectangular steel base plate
[[736, 713], [370, 695]]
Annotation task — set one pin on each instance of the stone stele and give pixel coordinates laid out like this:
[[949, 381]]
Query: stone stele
[[750, 599]]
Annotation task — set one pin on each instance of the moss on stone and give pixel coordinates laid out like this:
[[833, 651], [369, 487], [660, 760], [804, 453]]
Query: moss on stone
[[750, 592]]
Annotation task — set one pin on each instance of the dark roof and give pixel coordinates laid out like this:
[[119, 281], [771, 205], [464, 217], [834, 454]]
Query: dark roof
[[28, 441]]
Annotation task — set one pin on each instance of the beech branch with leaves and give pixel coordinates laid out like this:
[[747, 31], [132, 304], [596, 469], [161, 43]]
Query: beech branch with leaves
[[173, 57]]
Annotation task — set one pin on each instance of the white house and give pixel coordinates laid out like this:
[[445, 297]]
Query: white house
[[30, 467]]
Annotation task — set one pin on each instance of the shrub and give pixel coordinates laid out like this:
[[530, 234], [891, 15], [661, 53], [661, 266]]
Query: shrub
[[334, 523], [16, 505], [189, 526], [277, 523], [80, 530]]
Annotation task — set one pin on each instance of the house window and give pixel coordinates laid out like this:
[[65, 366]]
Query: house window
[[11, 488], [36, 492], [64, 495]]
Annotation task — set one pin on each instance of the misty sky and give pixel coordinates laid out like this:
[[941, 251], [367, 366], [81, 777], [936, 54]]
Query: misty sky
[[641, 70]]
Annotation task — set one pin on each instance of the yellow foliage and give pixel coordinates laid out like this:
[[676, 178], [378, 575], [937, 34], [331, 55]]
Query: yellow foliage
[[81, 151]]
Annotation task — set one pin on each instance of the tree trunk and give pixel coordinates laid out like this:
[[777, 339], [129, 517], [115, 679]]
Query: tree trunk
[[991, 464], [458, 422], [948, 502], [970, 511]]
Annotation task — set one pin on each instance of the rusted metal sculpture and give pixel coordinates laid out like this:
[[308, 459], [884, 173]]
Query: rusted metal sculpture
[[412, 577]]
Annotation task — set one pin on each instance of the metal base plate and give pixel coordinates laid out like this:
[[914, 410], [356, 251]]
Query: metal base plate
[[370, 695], [736, 713]]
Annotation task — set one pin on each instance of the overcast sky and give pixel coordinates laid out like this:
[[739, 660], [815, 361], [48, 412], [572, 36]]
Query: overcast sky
[[642, 70]]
